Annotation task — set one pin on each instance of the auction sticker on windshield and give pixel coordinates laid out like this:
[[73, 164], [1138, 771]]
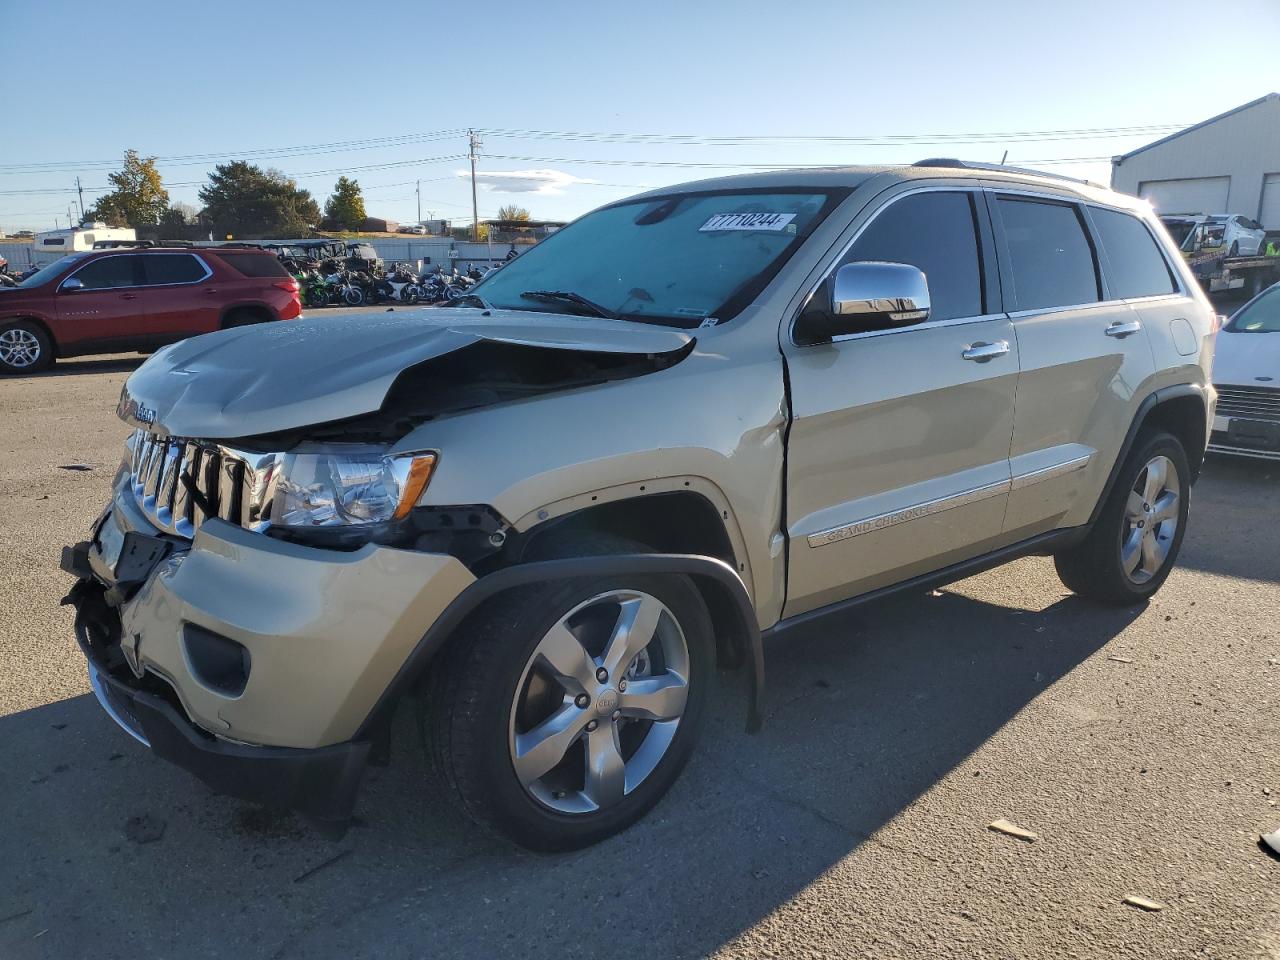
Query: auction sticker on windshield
[[748, 221]]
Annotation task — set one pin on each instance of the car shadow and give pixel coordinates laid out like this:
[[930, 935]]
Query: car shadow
[[79, 366], [111, 852]]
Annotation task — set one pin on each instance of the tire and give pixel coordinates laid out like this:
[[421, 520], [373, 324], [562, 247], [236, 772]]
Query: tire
[[241, 318], [1235, 249], [353, 296], [1104, 567], [24, 347], [494, 693]]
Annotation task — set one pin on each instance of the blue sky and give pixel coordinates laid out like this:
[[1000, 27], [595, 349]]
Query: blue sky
[[280, 84]]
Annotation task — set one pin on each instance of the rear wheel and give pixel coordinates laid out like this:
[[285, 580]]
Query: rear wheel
[[24, 347], [1131, 549], [562, 714], [242, 318]]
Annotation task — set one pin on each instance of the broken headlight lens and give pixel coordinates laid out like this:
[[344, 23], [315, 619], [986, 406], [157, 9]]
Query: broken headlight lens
[[346, 487]]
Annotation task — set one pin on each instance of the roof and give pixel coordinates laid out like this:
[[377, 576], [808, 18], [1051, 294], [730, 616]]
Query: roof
[[851, 177], [1196, 126]]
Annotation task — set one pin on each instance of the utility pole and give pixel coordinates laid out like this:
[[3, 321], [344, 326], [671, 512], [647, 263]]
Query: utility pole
[[419, 203], [80, 190], [475, 204]]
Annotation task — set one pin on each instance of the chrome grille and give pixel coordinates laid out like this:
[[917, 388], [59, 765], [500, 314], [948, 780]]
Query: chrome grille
[[180, 483], [1250, 403]]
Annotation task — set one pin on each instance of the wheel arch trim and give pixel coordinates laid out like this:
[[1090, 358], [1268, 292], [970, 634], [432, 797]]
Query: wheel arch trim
[[710, 569], [1150, 402]]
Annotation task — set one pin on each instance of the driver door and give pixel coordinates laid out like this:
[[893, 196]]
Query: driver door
[[898, 454]]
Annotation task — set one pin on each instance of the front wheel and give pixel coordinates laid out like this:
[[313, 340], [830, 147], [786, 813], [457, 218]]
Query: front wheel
[[1132, 547], [562, 714], [353, 296], [24, 347]]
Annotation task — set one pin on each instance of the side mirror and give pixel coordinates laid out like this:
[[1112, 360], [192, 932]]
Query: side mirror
[[864, 296], [71, 284]]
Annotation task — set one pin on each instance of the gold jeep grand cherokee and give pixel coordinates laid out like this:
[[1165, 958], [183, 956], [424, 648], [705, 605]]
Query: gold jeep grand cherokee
[[689, 420]]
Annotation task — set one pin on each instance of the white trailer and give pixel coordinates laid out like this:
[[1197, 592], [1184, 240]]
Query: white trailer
[[49, 246]]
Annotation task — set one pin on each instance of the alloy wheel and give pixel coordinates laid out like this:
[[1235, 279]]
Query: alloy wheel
[[19, 348], [1150, 520], [599, 702]]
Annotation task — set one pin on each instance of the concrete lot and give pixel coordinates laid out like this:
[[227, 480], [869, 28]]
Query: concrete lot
[[1141, 745]]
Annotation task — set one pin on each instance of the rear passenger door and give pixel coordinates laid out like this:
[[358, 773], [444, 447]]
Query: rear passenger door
[[1083, 355], [178, 300]]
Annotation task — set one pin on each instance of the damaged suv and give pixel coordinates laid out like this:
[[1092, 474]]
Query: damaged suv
[[692, 419]]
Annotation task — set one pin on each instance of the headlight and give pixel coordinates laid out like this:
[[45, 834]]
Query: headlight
[[348, 487]]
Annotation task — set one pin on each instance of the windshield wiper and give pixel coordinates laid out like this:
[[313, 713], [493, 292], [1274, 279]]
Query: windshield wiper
[[476, 301], [568, 296]]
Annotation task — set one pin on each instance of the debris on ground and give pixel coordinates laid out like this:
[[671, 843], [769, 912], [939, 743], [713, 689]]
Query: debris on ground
[[1119, 659], [1271, 841], [308, 874], [1142, 903], [144, 828], [74, 466], [1012, 830]]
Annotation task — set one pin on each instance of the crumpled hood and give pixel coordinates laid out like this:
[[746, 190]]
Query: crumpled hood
[[1241, 358], [281, 376]]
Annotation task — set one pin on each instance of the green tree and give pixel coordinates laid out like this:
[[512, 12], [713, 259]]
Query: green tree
[[139, 198], [244, 200], [180, 215], [512, 212], [346, 207]]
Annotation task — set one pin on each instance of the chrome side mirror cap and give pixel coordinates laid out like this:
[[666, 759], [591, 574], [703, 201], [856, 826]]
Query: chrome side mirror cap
[[863, 296]]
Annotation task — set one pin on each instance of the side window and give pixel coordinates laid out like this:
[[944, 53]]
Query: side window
[[109, 272], [936, 232], [1049, 252], [172, 268], [1137, 268]]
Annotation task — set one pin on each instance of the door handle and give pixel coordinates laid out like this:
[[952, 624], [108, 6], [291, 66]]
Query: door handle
[[981, 352], [1123, 328], [209, 290], [128, 296]]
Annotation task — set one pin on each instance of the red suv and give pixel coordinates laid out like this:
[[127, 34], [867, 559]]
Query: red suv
[[109, 301]]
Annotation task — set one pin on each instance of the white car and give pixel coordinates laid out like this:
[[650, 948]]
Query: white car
[[1246, 373], [1236, 235]]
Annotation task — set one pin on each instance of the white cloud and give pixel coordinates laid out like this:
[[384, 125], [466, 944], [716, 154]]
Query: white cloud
[[525, 181]]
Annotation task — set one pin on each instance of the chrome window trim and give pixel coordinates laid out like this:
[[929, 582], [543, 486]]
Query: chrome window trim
[[827, 270], [208, 271], [927, 508]]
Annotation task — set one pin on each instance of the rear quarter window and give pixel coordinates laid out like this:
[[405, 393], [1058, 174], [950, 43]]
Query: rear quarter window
[[1137, 267], [254, 264]]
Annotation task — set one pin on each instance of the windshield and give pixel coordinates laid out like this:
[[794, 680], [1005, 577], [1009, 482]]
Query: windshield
[[1179, 230], [1260, 316], [678, 260], [49, 271]]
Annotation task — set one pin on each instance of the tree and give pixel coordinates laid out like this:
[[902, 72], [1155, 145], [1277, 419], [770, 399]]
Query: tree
[[346, 206], [245, 200], [512, 212], [139, 198], [180, 215]]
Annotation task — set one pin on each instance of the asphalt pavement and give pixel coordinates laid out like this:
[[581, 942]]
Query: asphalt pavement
[[1139, 745]]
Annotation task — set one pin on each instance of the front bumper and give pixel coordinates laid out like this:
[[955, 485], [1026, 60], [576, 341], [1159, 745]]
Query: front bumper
[[1243, 437], [322, 634]]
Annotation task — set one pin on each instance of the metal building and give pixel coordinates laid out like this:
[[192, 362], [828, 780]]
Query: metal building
[[1229, 164]]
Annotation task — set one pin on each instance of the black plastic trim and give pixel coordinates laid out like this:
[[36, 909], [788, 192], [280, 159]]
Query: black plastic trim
[[1144, 409], [1042, 543], [542, 571]]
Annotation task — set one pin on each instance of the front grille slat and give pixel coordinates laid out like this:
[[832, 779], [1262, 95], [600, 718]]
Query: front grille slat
[[220, 476], [1251, 403]]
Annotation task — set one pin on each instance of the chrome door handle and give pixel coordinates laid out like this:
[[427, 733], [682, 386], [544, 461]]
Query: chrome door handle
[[1123, 328], [981, 352]]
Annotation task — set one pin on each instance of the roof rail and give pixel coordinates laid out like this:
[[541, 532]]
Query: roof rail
[[953, 163], [113, 244]]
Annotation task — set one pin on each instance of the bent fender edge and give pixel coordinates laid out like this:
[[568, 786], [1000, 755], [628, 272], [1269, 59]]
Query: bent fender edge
[[716, 571]]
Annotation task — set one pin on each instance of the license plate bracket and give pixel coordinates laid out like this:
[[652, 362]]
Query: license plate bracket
[[127, 556]]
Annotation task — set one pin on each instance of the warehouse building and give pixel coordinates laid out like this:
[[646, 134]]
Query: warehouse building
[[1229, 164]]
